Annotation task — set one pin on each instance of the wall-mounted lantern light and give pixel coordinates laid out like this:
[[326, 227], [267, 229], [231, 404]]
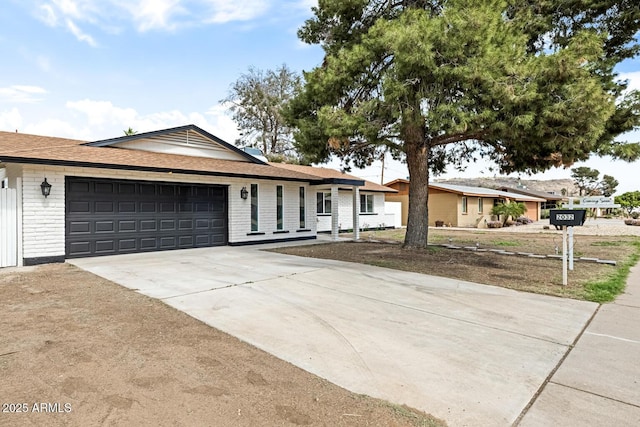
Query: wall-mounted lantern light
[[46, 188], [244, 193]]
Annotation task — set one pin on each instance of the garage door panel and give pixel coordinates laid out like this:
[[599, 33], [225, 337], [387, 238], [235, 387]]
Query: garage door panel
[[81, 248], [126, 188], [80, 187], [202, 224], [148, 225], [167, 207], [185, 241], [105, 226], [127, 245], [105, 247], [147, 189], [127, 226], [104, 187], [127, 207], [104, 207], [168, 242], [118, 216], [148, 243], [79, 227], [79, 207], [185, 224], [148, 207], [167, 224]]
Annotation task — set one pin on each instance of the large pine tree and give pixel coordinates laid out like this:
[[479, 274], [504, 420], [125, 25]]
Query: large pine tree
[[443, 82]]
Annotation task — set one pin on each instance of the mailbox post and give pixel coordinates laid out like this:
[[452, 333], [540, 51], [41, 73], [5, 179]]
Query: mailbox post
[[566, 218]]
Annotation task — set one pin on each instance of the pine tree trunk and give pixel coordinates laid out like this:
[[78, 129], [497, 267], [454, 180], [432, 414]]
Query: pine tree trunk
[[417, 161]]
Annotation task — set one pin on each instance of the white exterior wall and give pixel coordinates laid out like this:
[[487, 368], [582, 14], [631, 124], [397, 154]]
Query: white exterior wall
[[345, 212], [44, 219]]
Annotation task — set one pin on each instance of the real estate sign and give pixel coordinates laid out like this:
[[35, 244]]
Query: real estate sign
[[594, 202]]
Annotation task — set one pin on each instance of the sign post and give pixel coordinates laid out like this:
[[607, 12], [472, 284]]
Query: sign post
[[564, 255], [567, 218], [570, 238], [590, 202]]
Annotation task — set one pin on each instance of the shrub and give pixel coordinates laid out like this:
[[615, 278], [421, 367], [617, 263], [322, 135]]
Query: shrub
[[523, 220], [635, 215], [544, 214], [629, 221], [494, 224]]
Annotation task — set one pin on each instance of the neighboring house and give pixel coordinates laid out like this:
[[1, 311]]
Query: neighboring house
[[168, 189], [462, 206], [552, 201], [370, 199]]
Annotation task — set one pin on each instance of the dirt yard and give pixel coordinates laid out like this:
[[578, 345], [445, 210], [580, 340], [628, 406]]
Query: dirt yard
[[78, 350], [543, 276]]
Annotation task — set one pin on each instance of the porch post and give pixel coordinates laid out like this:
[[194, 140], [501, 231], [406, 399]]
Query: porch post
[[335, 209], [356, 212]]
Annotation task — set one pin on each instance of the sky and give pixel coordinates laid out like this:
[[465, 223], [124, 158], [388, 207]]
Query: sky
[[90, 69]]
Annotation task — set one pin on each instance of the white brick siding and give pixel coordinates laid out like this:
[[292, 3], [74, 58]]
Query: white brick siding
[[44, 219], [345, 212]]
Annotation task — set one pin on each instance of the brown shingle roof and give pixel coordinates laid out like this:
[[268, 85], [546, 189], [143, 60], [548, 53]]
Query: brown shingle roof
[[328, 173], [24, 148]]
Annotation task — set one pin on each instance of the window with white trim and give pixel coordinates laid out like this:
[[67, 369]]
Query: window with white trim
[[464, 205], [303, 209], [279, 207], [323, 203], [480, 205], [254, 207], [366, 203]]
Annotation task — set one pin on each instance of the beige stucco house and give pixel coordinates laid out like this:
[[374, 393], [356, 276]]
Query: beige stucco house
[[462, 206]]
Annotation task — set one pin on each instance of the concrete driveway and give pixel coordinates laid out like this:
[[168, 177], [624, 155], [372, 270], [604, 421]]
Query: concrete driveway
[[468, 353]]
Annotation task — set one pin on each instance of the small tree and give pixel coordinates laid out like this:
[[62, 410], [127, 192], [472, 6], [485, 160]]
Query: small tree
[[257, 101], [586, 180], [608, 185], [509, 209], [629, 201]]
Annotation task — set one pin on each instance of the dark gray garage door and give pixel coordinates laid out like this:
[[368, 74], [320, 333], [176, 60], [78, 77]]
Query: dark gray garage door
[[107, 217]]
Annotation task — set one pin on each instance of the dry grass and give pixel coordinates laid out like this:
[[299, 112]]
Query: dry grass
[[543, 276]]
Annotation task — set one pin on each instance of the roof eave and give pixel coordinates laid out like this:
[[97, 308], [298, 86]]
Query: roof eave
[[48, 162], [126, 138]]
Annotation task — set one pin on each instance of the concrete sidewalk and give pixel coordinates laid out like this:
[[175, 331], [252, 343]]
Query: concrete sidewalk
[[598, 384]]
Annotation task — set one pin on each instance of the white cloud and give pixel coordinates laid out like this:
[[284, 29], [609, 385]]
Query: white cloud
[[65, 13], [80, 35], [102, 119], [633, 78], [147, 15], [223, 11], [22, 94], [154, 14], [10, 120], [47, 15], [102, 112]]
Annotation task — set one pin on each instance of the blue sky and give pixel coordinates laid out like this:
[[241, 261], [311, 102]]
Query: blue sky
[[89, 69]]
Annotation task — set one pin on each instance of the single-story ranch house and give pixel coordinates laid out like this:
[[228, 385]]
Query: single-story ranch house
[[168, 189], [372, 199], [462, 206]]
